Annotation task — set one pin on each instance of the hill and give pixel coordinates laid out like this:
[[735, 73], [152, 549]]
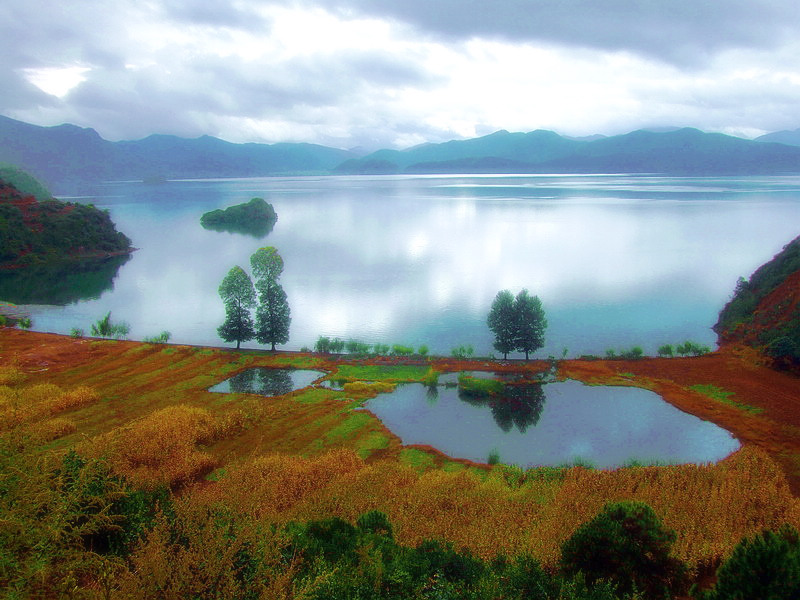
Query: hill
[[764, 311], [674, 152], [790, 138], [33, 231], [66, 154]]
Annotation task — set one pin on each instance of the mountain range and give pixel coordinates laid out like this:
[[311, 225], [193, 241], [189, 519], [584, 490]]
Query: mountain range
[[67, 154]]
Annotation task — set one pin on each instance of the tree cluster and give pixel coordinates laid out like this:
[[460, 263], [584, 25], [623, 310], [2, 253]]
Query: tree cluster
[[272, 308], [518, 323]]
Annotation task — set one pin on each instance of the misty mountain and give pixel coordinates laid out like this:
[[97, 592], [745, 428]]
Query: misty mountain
[[670, 151], [68, 154], [790, 138]]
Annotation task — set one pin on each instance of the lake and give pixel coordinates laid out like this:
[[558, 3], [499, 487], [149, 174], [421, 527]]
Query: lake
[[616, 260], [552, 424]]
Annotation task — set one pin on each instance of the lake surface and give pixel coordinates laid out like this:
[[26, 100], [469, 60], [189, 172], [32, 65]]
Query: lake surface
[[267, 382], [553, 424], [616, 260]]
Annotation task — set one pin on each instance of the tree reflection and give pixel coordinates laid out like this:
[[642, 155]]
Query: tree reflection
[[520, 404], [274, 382], [242, 383], [62, 282]]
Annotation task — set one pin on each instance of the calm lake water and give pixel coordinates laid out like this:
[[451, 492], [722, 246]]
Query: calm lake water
[[553, 424], [616, 260], [267, 382]]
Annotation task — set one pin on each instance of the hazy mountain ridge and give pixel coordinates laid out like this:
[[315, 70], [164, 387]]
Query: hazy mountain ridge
[[684, 151], [68, 154]]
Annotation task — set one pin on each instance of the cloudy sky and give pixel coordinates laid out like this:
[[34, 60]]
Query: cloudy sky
[[394, 73]]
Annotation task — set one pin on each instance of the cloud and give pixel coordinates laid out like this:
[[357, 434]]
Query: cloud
[[380, 73], [683, 32]]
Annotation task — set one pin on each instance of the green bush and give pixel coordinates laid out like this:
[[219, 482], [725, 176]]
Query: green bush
[[161, 338], [627, 545], [76, 332], [766, 566], [462, 352], [479, 388], [24, 323], [399, 350], [666, 350], [422, 350]]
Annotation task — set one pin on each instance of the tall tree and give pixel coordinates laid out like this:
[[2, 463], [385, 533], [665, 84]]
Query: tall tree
[[239, 297], [273, 316], [530, 323], [502, 322]]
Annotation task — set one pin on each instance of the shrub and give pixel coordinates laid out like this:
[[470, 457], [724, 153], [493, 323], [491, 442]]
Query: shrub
[[161, 338], [105, 328], [627, 545], [3, 321], [462, 351], [25, 323], [422, 350], [76, 332], [399, 350], [666, 350], [766, 566]]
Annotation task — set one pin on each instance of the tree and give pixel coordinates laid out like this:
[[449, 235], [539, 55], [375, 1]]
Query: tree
[[501, 322], [239, 297], [627, 545], [765, 566], [530, 323], [273, 316]]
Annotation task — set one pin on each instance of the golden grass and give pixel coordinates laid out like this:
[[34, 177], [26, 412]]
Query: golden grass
[[30, 405], [159, 449], [711, 507]]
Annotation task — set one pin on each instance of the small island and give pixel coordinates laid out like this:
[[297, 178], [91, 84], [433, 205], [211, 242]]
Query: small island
[[256, 218], [37, 229]]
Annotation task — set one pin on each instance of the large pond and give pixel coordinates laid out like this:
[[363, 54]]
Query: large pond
[[616, 260], [552, 424], [267, 382]]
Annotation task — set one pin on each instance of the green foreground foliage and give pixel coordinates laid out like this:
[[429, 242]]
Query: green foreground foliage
[[69, 528]]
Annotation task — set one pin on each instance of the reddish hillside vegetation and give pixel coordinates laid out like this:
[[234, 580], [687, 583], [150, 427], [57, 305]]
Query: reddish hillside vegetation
[[765, 310]]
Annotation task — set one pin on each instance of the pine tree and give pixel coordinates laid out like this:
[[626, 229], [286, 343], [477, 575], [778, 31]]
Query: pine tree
[[502, 322], [530, 323], [273, 316], [239, 297]]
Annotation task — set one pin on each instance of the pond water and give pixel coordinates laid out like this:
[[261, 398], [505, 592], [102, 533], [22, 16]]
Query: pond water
[[552, 424], [616, 260], [267, 382]]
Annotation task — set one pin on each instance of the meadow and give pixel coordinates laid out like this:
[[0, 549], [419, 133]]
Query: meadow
[[111, 449]]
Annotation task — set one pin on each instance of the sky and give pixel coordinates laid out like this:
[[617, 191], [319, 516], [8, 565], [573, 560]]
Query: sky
[[396, 73]]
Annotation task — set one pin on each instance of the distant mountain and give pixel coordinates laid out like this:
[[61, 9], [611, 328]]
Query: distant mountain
[[671, 151], [66, 154], [790, 138]]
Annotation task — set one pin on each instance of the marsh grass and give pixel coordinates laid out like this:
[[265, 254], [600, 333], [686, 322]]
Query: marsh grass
[[724, 396]]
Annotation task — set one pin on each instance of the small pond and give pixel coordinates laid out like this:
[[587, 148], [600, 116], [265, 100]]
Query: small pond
[[552, 424], [267, 382]]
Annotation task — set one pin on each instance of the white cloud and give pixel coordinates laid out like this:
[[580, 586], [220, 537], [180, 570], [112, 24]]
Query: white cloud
[[349, 73]]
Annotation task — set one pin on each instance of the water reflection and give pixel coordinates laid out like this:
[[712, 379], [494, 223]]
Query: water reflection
[[267, 382], [61, 283], [254, 228], [608, 426]]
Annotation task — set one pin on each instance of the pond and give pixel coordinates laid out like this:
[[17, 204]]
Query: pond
[[267, 382], [552, 424]]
